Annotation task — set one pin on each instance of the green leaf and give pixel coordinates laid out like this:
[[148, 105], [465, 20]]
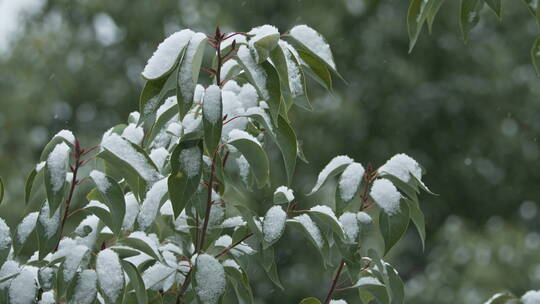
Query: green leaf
[[129, 161], [416, 16], [495, 5], [188, 74], [113, 197], [393, 227], [153, 94], [186, 171], [273, 88], [140, 245], [326, 219], [240, 282], [161, 123], [212, 118], [396, 288], [135, 281], [334, 167], [265, 45], [255, 156], [469, 16], [56, 191], [318, 69], [432, 13], [318, 243], [30, 184], [268, 262], [531, 5], [1, 190], [310, 301], [280, 63], [371, 285], [502, 298], [47, 240], [417, 217], [535, 55], [287, 144]]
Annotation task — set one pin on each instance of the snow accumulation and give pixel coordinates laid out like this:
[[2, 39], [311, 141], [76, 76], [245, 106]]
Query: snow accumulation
[[5, 236], [402, 166], [232, 86], [57, 165], [293, 71], [313, 41], [212, 104], [86, 288], [350, 225], [191, 122], [243, 167], [231, 263], [49, 223], [274, 223], [27, 226], [210, 277], [101, 180], [159, 156], [350, 180], [110, 274], [169, 103], [132, 209], [190, 161], [186, 81], [239, 134], [385, 194], [199, 93], [367, 281], [133, 133], [123, 150], [23, 287], [338, 302], [335, 163], [328, 211], [259, 33], [311, 228], [84, 237], [364, 218], [223, 241], [155, 275], [67, 135], [150, 205], [531, 297], [255, 70], [47, 297], [233, 222], [288, 193], [8, 269], [248, 96], [166, 54]]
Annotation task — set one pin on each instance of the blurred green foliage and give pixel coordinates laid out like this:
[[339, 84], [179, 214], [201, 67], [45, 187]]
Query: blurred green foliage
[[468, 112]]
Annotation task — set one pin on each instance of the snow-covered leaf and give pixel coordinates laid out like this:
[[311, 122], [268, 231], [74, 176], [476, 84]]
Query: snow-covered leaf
[[394, 226], [188, 74], [55, 175], [186, 171], [110, 275], [167, 55], [334, 167], [212, 117], [251, 149], [113, 197]]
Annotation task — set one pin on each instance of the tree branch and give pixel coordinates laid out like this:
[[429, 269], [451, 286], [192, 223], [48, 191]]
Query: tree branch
[[334, 283]]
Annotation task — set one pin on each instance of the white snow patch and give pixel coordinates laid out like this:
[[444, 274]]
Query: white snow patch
[[57, 165], [335, 163], [239, 134], [86, 288], [190, 161], [110, 274], [101, 180], [233, 222], [385, 194], [531, 297], [150, 205], [314, 42], [191, 122], [159, 156], [402, 166], [231, 263], [199, 94], [67, 135], [26, 226], [5, 235], [288, 193], [210, 277], [226, 68], [47, 297], [8, 269], [248, 96], [259, 33], [132, 209], [243, 167], [274, 223], [223, 241], [293, 71], [350, 225], [133, 133], [364, 218], [49, 223], [338, 302], [186, 81], [255, 70], [350, 180], [311, 228], [123, 149], [23, 287], [212, 104], [166, 54]]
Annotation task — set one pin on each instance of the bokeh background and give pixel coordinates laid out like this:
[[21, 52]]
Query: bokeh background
[[469, 113]]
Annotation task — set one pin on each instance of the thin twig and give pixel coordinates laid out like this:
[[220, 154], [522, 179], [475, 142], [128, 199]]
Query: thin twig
[[227, 249], [334, 283]]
